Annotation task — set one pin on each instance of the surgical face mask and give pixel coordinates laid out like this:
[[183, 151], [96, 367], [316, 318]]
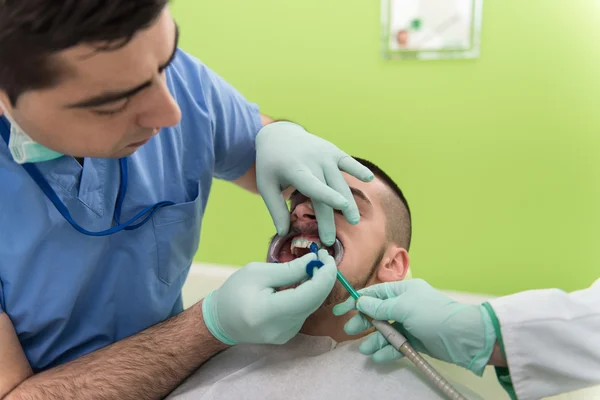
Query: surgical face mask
[[23, 149]]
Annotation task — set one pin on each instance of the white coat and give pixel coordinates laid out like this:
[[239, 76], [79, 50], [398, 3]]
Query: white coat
[[551, 339]]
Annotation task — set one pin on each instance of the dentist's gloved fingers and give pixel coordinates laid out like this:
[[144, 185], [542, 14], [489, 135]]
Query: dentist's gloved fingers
[[372, 343], [379, 309], [326, 220], [278, 208], [356, 169], [312, 187], [325, 257], [387, 354], [380, 348], [336, 181], [389, 290], [284, 274], [346, 306], [357, 324], [308, 297]]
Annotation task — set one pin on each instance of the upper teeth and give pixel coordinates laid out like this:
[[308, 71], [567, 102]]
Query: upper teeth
[[302, 243]]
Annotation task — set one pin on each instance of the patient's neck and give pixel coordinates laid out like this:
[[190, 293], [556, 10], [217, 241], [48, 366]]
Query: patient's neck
[[323, 323]]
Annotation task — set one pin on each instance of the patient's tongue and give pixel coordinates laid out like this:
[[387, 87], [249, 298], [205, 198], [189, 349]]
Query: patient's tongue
[[286, 254]]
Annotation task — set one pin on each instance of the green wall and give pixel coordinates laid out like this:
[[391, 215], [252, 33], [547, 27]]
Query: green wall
[[498, 156]]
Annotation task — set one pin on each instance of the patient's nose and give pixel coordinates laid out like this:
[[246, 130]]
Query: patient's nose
[[304, 211]]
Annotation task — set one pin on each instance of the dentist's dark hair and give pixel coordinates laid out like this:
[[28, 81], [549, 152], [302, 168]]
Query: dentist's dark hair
[[32, 31]]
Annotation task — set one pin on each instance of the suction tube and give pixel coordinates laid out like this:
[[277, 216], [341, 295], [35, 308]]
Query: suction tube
[[400, 343], [395, 338]]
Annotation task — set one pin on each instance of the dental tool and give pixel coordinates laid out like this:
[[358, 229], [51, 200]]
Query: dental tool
[[391, 334], [395, 338], [311, 265]]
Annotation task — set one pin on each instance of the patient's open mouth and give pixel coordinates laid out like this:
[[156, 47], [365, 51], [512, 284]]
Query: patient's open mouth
[[296, 244]]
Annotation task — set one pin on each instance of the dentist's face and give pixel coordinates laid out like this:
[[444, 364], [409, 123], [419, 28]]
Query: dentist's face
[[109, 103]]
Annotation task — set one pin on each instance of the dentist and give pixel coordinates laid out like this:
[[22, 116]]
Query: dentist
[[110, 139]]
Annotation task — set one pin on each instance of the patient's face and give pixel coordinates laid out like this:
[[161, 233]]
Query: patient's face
[[364, 244]]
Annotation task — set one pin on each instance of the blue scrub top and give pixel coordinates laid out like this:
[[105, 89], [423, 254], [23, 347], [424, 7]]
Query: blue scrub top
[[69, 294]]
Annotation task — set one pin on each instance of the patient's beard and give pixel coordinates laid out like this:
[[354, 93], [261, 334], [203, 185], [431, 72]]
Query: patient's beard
[[340, 294], [323, 322]]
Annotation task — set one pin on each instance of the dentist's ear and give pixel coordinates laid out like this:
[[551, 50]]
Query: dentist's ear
[[394, 265], [4, 102]]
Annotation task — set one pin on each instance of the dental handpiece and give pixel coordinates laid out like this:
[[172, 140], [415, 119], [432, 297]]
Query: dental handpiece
[[396, 339], [400, 343]]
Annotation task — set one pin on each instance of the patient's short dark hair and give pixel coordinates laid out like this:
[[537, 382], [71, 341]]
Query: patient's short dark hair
[[399, 223]]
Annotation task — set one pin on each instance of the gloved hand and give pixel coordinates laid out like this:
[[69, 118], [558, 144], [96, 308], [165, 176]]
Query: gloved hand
[[287, 155], [433, 323], [247, 309]]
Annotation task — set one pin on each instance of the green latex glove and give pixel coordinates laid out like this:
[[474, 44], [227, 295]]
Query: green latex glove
[[248, 309], [432, 322], [287, 155]]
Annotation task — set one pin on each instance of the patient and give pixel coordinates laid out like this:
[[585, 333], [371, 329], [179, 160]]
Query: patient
[[323, 362], [375, 250]]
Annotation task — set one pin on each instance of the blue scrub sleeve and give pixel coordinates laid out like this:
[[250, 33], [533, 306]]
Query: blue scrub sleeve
[[2, 307], [235, 122]]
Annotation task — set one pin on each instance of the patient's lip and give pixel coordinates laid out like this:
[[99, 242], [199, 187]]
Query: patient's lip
[[140, 144]]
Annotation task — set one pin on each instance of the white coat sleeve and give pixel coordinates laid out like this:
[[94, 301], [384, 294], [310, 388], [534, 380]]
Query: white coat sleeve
[[551, 340]]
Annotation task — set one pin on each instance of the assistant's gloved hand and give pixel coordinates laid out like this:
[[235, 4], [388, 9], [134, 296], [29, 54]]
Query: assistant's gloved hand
[[433, 323], [247, 309], [287, 155]]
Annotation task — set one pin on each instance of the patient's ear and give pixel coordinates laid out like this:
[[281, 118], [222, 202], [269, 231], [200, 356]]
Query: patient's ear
[[394, 264]]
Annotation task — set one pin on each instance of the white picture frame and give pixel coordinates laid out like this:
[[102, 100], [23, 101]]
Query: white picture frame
[[431, 29]]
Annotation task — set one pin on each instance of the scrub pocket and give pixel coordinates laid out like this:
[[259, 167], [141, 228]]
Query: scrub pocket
[[177, 232]]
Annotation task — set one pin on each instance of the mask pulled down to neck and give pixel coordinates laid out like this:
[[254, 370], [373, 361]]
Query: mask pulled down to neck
[[24, 149]]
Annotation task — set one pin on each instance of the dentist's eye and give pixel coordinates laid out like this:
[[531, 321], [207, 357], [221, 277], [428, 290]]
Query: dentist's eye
[[107, 112]]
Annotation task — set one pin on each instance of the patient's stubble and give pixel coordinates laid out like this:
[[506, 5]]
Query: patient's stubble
[[323, 322]]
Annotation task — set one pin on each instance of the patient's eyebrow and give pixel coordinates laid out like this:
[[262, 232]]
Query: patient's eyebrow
[[360, 194], [110, 97]]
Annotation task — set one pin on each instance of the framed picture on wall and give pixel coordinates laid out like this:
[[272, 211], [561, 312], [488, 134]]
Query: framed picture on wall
[[431, 29]]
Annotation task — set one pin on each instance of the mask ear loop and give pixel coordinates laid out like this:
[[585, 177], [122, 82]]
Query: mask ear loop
[[5, 113], [18, 152]]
